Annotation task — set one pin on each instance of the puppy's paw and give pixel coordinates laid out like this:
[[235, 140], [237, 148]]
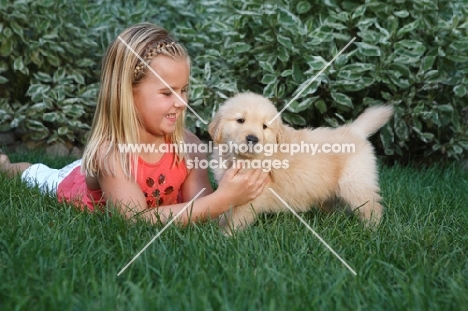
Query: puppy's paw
[[225, 223], [236, 219], [373, 221], [227, 231]]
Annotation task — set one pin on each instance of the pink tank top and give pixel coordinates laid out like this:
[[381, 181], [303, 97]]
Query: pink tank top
[[160, 183]]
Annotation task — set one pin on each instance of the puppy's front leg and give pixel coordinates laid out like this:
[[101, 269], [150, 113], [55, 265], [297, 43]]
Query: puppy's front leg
[[237, 218]]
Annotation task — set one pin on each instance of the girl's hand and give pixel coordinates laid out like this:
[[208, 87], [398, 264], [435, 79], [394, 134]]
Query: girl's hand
[[241, 186]]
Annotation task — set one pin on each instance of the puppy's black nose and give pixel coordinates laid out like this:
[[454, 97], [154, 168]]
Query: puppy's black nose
[[252, 139]]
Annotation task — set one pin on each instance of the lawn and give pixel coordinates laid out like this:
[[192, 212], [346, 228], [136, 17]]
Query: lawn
[[53, 257]]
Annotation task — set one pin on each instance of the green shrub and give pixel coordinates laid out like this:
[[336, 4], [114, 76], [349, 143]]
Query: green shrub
[[48, 82], [411, 54], [50, 56]]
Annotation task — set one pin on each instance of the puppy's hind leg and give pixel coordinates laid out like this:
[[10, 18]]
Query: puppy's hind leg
[[364, 199], [237, 218]]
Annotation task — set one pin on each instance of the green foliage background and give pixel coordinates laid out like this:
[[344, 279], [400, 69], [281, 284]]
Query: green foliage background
[[412, 54]]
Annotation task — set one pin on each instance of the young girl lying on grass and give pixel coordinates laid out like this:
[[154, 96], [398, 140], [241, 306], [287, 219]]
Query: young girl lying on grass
[[140, 105]]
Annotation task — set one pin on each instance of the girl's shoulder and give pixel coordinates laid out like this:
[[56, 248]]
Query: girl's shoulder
[[109, 160], [197, 147], [107, 153], [190, 137]]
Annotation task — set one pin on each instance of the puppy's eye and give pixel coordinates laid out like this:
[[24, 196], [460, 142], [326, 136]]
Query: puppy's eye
[[241, 120], [264, 126]]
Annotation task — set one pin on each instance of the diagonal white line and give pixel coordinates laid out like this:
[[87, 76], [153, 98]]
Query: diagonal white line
[[160, 232], [162, 80], [310, 82], [312, 230]]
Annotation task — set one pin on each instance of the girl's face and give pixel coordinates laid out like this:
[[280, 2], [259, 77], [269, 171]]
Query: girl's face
[[156, 105]]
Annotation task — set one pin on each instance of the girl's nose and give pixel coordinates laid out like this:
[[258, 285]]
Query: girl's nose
[[180, 101]]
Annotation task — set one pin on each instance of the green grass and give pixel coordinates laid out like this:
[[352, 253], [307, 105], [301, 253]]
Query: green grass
[[53, 257]]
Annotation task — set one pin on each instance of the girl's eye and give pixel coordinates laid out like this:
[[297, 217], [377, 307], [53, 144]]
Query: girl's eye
[[264, 126], [184, 90], [240, 121], [167, 94]]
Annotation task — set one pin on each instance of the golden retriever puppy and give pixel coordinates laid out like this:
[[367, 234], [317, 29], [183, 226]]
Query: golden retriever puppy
[[308, 167]]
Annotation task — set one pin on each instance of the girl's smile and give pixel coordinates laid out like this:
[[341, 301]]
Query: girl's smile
[[172, 117]]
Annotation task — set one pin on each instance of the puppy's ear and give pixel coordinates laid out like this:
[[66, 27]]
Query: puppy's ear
[[215, 128], [280, 132]]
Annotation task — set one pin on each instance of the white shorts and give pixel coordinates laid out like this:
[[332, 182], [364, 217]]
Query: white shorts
[[45, 178]]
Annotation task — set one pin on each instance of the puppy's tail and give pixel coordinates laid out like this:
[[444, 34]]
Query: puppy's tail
[[372, 119]]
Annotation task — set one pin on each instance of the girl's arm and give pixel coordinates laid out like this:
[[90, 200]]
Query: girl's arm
[[126, 195]]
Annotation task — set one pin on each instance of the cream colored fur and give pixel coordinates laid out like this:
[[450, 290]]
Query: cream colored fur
[[319, 180]]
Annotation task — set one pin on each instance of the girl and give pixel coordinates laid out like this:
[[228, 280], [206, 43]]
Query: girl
[[141, 105]]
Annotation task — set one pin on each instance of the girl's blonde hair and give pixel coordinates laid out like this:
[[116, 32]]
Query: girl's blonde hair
[[116, 120]]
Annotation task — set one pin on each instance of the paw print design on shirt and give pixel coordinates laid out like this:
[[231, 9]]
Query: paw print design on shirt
[[153, 197]]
